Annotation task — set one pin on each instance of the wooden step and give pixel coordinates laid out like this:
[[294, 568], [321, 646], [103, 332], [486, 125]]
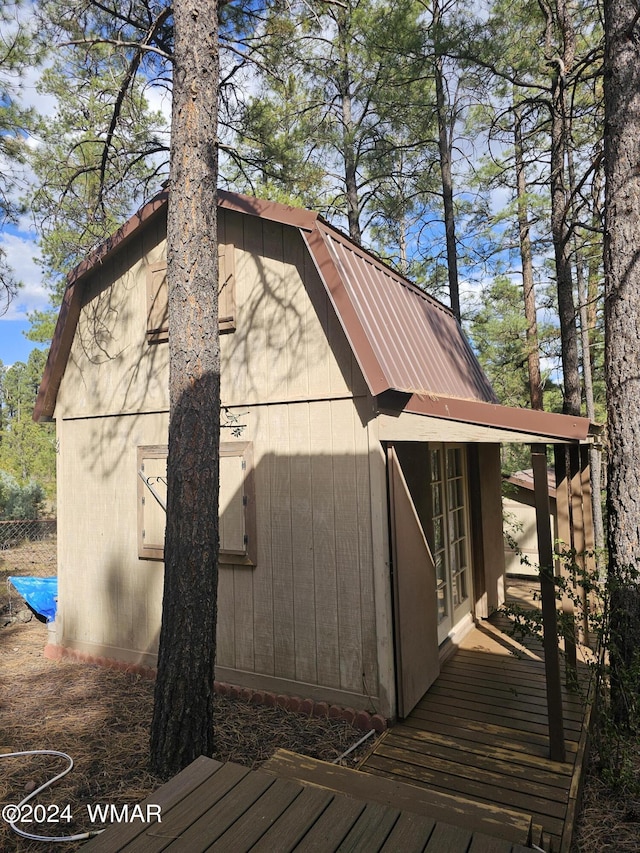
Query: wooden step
[[537, 836], [496, 821]]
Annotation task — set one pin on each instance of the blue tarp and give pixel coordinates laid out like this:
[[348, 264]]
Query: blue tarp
[[39, 593]]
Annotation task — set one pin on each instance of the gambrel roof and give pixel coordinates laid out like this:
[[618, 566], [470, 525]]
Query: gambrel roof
[[409, 346]]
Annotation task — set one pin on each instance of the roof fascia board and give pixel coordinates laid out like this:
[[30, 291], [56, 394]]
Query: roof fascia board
[[117, 240], [330, 274], [58, 353], [408, 426], [547, 426], [271, 210]]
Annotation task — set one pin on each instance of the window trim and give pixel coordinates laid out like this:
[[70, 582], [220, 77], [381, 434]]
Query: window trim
[[242, 449], [152, 451], [226, 290]]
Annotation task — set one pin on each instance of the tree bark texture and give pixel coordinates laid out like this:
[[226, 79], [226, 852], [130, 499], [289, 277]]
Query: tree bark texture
[[558, 22], [526, 257], [562, 250], [622, 342], [182, 727], [444, 150], [348, 133]]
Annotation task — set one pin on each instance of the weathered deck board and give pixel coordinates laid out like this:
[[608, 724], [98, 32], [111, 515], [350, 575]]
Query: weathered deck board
[[481, 732], [179, 820], [170, 795], [512, 762], [333, 825], [454, 808], [467, 772], [489, 795], [410, 834], [485, 772], [224, 807], [484, 733], [266, 811], [291, 828]]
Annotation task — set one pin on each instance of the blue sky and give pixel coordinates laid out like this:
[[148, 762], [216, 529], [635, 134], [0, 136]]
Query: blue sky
[[21, 251], [19, 241], [19, 244]]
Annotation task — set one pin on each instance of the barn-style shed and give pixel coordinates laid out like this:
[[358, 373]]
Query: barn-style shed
[[361, 520]]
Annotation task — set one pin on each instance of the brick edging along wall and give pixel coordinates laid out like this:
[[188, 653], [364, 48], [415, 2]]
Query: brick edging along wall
[[362, 720]]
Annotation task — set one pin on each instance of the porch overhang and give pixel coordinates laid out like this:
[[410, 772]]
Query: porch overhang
[[434, 418]]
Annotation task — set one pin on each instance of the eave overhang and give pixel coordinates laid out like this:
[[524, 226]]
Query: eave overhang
[[423, 418]]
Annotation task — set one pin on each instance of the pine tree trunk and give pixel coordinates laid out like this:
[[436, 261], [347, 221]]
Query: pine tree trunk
[[344, 85], [562, 252], [622, 344], [444, 151], [561, 62], [594, 283], [182, 727], [526, 256], [447, 194]]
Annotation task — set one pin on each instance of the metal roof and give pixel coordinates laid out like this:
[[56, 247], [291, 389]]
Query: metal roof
[[524, 479], [405, 341], [417, 344]]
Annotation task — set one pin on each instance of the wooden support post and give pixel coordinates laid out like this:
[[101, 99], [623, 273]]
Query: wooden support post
[[565, 536], [579, 538], [549, 616], [589, 539]]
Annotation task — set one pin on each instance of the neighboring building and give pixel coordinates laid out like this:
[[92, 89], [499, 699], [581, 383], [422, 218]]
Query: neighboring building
[[361, 518], [521, 533]]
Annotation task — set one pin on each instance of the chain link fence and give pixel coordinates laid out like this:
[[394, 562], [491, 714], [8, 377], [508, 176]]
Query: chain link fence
[[28, 546]]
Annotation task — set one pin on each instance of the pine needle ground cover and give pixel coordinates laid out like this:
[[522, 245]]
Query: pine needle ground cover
[[101, 718]]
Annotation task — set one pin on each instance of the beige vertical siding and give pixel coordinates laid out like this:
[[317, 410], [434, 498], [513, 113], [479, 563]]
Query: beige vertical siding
[[287, 344], [490, 507], [111, 368], [109, 600], [305, 612], [303, 618], [520, 524]]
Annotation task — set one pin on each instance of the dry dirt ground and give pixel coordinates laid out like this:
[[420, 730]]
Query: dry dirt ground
[[101, 718]]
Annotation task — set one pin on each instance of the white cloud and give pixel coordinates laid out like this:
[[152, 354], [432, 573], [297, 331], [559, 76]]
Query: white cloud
[[21, 252], [159, 100], [44, 104]]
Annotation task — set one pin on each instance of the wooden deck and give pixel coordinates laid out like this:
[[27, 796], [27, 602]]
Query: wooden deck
[[481, 733], [227, 808], [466, 772]]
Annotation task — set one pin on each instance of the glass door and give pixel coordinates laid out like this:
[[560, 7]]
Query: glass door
[[450, 534]]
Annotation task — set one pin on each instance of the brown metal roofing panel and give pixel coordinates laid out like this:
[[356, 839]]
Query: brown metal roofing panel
[[417, 342], [360, 344], [524, 479]]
